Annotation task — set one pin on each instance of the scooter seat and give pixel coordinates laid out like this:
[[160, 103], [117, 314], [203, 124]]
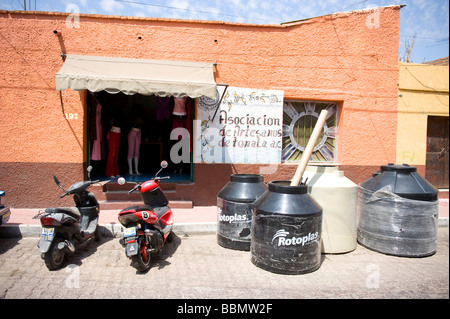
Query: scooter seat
[[158, 210], [71, 211], [137, 208], [161, 210]]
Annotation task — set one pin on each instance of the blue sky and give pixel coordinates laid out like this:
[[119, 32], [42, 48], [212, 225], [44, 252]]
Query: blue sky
[[428, 20]]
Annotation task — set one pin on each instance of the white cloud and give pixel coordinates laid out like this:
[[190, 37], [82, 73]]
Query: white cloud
[[180, 4], [111, 6]]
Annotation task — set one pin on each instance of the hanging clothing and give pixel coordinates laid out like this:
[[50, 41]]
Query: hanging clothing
[[134, 142], [189, 119], [189, 116], [180, 106], [112, 163], [96, 148], [179, 122], [163, 110], [91, 102]]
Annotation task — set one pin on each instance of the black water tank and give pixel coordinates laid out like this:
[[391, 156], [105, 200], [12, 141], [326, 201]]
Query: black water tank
[[398, 212], [286, 230], [403, 181], [235, 207]]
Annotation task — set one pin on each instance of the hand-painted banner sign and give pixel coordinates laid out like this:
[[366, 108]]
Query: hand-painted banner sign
[[247, 127]]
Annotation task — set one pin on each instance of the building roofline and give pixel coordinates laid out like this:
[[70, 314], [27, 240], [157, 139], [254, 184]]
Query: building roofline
[[438, 62], [339, 13], [173, 20], [135, 18]]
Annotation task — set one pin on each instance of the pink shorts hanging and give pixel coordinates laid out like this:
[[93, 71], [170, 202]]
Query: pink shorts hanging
[[134, 142]]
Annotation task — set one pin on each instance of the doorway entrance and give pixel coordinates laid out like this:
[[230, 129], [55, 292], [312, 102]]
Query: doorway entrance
[[437, 161], [129, 135]]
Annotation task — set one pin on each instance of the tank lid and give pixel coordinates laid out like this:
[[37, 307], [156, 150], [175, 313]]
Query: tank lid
[[246, 178], [402, 180], [405, 168], [243, 188], [284, 187]]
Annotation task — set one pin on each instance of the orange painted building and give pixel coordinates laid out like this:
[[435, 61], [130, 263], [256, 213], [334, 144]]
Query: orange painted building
[[349, 59]]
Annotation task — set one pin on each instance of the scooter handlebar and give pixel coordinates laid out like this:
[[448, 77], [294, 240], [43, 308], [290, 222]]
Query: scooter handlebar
[[134, 188], [83, 186], [160, 178], [139, 185]]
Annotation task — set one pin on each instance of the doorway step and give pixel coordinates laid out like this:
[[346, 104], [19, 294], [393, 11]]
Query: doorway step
[[113, 196]]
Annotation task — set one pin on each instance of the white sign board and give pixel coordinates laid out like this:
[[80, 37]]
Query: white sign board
[[247, 127]]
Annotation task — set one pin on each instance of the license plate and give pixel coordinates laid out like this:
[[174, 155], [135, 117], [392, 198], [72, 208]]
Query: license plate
[[131, 231], [5, 217], [48, 233]]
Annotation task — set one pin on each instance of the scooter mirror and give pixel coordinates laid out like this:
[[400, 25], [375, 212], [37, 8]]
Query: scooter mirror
[[56, 181], [121, 181], [164, 164], [89, 169]]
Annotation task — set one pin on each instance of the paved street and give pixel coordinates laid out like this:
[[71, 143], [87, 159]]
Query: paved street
[[194, 266]]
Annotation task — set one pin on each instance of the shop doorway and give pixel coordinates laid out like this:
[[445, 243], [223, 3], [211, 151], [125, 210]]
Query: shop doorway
[[150, 120], [437, 160]]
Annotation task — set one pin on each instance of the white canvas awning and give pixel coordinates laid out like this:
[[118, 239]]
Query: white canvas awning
[[143, 76]]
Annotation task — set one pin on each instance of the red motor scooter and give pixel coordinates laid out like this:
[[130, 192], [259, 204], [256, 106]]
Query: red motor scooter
[[148, 226]]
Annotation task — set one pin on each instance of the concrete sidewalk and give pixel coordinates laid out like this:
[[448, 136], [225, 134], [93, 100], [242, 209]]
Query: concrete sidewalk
[[198, 214], [194, 220], [199, 219]]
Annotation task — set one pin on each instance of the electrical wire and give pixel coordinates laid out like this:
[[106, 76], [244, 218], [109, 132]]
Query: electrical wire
[[425, 38], [21, 4], [189, 10]]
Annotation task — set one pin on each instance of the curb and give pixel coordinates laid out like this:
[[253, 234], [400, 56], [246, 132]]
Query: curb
[[108, 230], [115, 230], [443, 222]]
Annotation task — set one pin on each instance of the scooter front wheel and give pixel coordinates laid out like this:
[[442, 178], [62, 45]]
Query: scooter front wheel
[[97, 234], [54, 258], [141, 261]]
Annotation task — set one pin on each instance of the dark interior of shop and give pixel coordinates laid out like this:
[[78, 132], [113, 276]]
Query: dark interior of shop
[[152, 119]]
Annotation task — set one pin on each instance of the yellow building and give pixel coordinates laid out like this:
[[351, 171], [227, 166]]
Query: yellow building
[[423, 120]]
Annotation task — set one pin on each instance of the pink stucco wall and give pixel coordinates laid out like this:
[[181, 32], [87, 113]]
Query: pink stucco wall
[[351, 58]]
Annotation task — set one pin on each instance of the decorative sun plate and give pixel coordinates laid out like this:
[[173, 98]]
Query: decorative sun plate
[[299, 119]]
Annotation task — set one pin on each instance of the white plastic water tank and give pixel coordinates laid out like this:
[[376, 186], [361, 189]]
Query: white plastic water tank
[[338, 197]]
